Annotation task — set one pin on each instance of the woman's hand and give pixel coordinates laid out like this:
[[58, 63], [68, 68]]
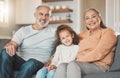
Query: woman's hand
[[51, 67]]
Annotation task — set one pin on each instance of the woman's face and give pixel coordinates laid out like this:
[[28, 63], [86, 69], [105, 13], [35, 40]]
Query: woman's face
[[66, 37], [92, 20]]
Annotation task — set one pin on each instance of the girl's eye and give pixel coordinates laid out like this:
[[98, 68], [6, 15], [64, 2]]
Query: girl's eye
[[47, 15], [63, 38], [40, 14], [67, 36]]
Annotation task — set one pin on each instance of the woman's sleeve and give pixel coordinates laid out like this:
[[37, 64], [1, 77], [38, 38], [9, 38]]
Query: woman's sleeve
[[105, 45]]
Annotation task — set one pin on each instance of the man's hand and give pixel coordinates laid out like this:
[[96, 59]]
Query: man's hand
[[51, 67], [11, 48]]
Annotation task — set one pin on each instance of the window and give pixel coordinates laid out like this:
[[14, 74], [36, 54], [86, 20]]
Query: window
[[3, 12], [113, 15]]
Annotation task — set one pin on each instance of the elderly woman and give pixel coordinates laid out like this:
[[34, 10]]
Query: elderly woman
[[97, 45]]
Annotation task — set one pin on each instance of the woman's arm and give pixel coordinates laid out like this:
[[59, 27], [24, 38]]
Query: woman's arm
[[105, 45]]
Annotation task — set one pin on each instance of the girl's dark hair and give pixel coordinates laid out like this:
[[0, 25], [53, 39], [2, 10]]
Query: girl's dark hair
[[102, 25], [68, 28]]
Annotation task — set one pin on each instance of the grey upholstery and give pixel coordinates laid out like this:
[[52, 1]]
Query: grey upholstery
[[114, 71], [103, 75], [3, 42], [116, 63]]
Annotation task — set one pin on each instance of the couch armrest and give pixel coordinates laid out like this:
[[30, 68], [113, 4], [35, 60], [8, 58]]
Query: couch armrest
[[3, 42]]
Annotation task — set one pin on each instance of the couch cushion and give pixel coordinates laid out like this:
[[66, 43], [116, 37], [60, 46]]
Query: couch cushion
[[103, 75], [116, 62], [3, 42]]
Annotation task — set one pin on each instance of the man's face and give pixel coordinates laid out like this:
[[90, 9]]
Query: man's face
[[42, 16]]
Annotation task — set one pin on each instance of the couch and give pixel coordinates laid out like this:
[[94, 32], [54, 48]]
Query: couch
[[114, 71], [2, 44]]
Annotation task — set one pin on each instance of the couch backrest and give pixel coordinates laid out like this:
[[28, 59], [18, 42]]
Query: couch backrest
[[116, 62], [3, 42]]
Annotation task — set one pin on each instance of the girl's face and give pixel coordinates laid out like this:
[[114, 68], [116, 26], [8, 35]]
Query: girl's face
[[66, 37], [92, 20]]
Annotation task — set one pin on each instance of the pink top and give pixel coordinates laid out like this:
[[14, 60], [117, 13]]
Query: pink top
[[97, 47]]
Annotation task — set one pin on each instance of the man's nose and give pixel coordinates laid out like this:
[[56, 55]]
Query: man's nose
[[43, 17]]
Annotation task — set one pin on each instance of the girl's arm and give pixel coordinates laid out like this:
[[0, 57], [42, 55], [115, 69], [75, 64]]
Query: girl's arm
[[49, 61], [51, 67]]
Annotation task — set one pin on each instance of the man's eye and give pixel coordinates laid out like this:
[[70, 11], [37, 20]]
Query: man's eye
[[86, 18], [47, 15], [40, 14]]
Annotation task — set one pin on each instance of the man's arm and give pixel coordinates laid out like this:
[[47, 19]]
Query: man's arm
[[11, 48]]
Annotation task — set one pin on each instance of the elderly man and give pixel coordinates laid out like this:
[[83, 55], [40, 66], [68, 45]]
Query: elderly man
[[35, 43]]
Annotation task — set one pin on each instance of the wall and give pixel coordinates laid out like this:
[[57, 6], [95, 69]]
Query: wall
[[76, 6], [6, 32], [84, 4]]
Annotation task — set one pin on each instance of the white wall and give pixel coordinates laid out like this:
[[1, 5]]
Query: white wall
[[75, 5]]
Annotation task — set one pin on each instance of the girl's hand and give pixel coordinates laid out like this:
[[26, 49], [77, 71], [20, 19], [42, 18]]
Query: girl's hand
[[51, 67], [47, 63]]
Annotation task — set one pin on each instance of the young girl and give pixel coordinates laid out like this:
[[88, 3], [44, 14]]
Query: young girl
[[66, 51]]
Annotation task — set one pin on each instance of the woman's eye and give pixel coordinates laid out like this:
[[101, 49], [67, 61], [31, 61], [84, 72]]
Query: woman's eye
[[93, 16]]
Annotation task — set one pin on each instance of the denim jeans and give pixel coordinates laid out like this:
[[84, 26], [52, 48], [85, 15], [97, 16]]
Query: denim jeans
[[44, 73], [10, 63]]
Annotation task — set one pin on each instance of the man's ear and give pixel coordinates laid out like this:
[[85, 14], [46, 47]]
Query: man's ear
[[34, 14]]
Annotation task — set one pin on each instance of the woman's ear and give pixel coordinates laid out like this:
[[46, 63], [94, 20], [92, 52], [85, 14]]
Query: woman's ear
[[100, 19]]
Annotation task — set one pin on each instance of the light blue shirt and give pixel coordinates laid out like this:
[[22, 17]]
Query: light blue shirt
[[35, 44]]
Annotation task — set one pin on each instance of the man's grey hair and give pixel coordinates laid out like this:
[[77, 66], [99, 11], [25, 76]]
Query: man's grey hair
[[46, 6]]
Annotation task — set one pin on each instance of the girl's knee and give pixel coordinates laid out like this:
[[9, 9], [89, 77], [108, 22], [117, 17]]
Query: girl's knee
[[51, 74], [42, 73], [43, 70]]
